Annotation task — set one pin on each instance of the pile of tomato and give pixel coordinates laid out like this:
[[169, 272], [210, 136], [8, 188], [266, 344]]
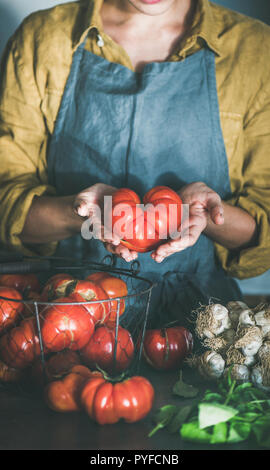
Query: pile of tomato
[[78, 333]]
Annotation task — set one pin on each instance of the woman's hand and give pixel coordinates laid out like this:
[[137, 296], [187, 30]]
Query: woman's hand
[[204, 205]]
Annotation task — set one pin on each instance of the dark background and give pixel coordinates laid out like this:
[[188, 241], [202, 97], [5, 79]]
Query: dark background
[[13, 11]]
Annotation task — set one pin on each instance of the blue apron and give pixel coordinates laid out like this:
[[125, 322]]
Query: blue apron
[[160, 126]]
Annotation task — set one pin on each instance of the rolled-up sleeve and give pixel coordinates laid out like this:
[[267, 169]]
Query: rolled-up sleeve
[[254, 196], [23, 139]]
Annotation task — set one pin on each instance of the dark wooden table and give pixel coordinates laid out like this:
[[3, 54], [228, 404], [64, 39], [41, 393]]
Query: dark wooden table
[[26, 423]]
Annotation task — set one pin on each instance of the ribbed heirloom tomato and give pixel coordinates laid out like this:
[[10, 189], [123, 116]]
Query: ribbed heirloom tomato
[[56, 287], [143, 230], [21, 282], [66, 326], [56, 366], [100, 349], [64, 395], [85, 290], [166, 348], [114, 287], [20, 346], [9, 311], [107, 403]]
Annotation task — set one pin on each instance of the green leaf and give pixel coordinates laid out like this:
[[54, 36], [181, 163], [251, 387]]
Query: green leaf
[[238, 432], [214, 413], [179, 418], [191, 432], [219, 435], [261, 429], [213, 397], [163, 417], [184, 390]]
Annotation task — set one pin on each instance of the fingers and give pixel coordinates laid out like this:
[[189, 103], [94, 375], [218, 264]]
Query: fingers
[[189, 236], [215, 208], [121, 251]]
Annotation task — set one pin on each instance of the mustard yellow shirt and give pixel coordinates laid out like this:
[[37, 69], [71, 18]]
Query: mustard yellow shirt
[[34, 71]]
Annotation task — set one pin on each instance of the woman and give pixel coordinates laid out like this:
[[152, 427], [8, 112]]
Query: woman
[[137, 93]]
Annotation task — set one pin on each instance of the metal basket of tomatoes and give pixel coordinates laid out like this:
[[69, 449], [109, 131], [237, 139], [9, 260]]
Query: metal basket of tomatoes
[[78, 313]]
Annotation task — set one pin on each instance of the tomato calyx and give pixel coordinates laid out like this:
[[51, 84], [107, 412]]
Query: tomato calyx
[[109, 378]]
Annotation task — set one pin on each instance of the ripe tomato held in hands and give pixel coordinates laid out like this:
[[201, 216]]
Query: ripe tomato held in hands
[[144, 230], [21, 282], [66, 326], [166, 348], [64, 395], [100, 349], [114, 287], [9, 311], [107, 403], [20, 346]]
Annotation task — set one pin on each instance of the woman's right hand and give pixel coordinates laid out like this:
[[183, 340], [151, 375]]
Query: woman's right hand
[[89, 204]]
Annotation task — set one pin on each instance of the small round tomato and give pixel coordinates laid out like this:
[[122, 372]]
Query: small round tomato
[[64, 395], [20, 346], [21, 282], [9, 311], [166, 348], [107, 403], [66, 326], [56, 287], [100, 349]]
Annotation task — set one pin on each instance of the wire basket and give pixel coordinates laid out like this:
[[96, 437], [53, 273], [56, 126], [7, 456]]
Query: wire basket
[[64, 330]]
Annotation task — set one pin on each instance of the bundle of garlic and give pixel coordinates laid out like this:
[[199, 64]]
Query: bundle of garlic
[[237, 339]]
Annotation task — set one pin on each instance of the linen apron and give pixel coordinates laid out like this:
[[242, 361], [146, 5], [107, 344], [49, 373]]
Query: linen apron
[[138, 130]]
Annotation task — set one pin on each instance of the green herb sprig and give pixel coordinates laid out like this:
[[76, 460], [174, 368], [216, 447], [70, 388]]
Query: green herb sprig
[[233, 413]]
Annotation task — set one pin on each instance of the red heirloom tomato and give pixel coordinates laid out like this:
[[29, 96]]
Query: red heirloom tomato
[[166, 348], [114, 287], [56, 287], [66, 326], [144, 230], [64, 395], [21, 282], [88, 290], [100, 349], [107, 403], [29, 309], [8, 374], [56, 366], [20, 346], [9, 311]]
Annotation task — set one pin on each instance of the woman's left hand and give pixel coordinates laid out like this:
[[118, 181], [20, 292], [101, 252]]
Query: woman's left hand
[[204, 205]]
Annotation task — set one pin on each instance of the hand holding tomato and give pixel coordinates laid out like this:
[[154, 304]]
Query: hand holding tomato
[[143, 230], [204, 204]]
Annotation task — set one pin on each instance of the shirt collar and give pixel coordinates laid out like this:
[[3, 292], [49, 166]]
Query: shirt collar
[[204, 25]]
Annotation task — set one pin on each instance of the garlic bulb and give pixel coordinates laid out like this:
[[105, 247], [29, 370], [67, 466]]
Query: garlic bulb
[[235, 356], [239, 372], [264, 350], [257, 379], [210, 365], [262, 318], [246, 318], [249, 340], [235, 308], [222, 342], [212, 321]]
